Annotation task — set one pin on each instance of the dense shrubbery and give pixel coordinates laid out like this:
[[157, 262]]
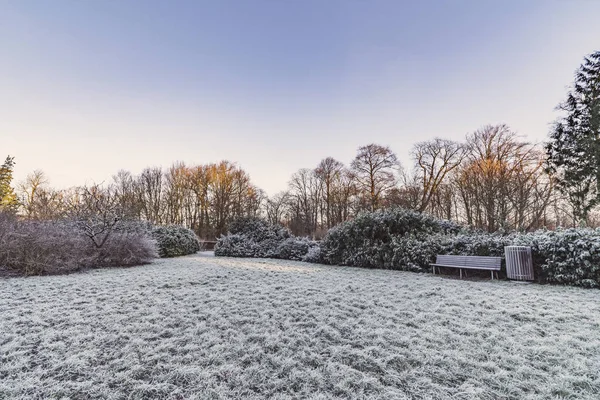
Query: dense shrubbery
[[416, 253], [254, 237], [295, 248], [251, 237], [123, 249], [569, 256], [175, 240], [412, 253], [48, 247], [368, 240], [405, 240]]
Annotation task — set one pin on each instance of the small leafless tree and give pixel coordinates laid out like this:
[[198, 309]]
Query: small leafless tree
[[97, 213]]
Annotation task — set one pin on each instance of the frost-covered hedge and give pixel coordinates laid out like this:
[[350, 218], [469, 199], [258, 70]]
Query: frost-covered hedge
[[406, 240], [568, 256], [416, 253], [251, 237], [370, 240], [254, 237], [175, 241], [296, 248]]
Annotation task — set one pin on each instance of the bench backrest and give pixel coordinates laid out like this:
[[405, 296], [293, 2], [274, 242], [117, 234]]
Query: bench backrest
[[479, 262]]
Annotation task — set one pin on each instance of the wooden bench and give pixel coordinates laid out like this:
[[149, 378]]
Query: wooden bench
[[468, 262]]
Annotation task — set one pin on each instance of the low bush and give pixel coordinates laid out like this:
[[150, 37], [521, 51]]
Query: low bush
[[175, 241], [33, 248], [477, 244], [237, 245], [254, 237], [295, 248], [51, 247], [569, 256], [123, 249], [313, 255], [411, 253], [251, 237]]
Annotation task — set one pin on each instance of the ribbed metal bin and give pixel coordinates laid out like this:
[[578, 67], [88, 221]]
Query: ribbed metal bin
[[519, 263]]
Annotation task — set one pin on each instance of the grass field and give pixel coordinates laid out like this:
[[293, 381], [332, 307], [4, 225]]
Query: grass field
[[201, 327]]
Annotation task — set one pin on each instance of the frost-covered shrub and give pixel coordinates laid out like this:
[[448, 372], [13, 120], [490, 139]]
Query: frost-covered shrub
[[258, 229], [175, 240], [51, 247], [569, 256], [34, 248], [252, 237], [416, 253], [313, 255], [295, 248], [123, 249], [476, 244], [236, 245], [367, 240]]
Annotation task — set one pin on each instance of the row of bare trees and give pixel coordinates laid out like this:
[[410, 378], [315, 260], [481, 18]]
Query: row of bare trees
[[493, 180], [205, 198]]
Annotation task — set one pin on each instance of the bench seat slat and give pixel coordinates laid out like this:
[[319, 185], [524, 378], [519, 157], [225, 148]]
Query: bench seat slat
[[494, 268]]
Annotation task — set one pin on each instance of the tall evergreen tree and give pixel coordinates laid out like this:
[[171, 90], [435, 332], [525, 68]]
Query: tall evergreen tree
[[8, 197], [574, 147]]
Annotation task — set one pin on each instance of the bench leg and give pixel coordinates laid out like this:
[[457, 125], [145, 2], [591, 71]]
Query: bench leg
[[460, 269], [492, 275], [434, 270]]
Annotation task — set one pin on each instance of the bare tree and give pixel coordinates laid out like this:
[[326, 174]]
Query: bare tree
[[434, 160], [150, 193], [276, 207], [30, 190], [374, 168], [304, 195], [501, 183], [97, 212], [176, 184], [125, 188], [199, 182], [329, 173]]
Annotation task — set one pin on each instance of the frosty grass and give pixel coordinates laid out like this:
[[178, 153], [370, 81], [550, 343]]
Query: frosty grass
[[201, 327]]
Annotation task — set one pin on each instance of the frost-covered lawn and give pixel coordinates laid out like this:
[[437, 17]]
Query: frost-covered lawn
[[207, 328]]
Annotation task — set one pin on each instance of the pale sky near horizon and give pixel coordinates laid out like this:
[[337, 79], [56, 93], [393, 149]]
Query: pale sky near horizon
[[91, 87]]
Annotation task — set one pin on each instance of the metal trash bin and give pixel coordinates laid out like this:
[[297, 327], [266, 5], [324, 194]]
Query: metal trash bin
[[519, 263]]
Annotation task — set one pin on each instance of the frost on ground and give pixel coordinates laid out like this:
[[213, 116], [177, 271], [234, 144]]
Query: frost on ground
[[200, 327]]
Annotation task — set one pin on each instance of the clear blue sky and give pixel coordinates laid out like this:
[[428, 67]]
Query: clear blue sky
[[90, 87]]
